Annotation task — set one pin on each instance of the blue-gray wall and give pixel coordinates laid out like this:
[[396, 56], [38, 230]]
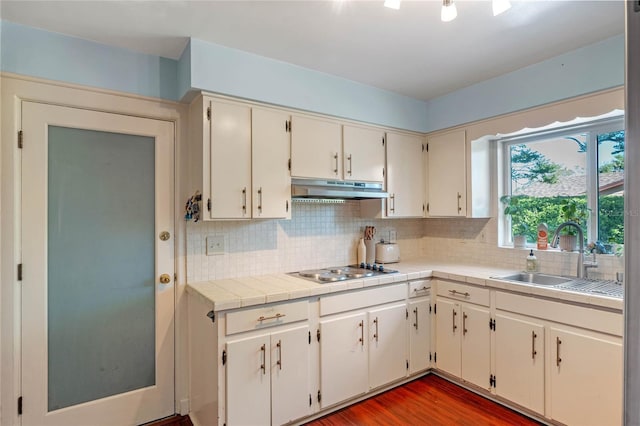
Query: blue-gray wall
[[207, 66]]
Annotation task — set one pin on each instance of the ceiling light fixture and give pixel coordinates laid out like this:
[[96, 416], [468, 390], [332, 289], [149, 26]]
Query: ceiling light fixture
[[449, 11], [500, 6], [392, 4]]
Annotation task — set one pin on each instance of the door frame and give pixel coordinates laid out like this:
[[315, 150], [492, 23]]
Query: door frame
[[14, 90]]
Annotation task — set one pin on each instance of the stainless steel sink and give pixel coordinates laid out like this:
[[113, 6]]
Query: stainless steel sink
[[537, 279]]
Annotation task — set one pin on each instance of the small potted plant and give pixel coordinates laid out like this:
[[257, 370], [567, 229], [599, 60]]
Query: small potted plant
[[572, 211], [519, 228]]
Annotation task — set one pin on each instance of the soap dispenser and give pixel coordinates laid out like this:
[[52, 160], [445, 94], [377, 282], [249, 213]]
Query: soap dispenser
[[532, 262]]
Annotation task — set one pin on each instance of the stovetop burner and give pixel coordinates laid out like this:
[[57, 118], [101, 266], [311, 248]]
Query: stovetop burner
[[341, 273]]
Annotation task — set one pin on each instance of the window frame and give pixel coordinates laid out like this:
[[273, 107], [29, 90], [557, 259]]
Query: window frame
[[592, 129]]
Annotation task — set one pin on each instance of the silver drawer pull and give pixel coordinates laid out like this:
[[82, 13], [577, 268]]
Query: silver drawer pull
[[459, 293], [276, 316], [421, 289]]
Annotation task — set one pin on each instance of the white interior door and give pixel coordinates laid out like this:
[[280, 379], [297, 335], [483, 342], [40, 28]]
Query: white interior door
[[97, 320]]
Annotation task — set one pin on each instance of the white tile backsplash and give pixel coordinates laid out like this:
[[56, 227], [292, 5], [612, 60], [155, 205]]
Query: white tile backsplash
[[321, 235]]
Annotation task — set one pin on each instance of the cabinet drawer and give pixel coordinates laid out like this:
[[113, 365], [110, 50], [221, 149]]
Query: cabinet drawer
[[266, 316], [419, 288], [361, 299], [463, 292]]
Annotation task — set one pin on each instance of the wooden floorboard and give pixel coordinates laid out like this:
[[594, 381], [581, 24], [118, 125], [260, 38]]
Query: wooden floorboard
[[429, 400]]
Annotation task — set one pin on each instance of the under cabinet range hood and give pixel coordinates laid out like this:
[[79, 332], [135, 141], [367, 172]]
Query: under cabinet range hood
[[335, 189]]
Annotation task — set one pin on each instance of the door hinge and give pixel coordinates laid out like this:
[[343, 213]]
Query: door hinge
[[406, 311], [309, 343], [224, 357], [286, 125], [427, 207], [318, 335], [435, 357], [289, 164], [423, 208], [430, 357], [422, 147], [492, 380], [209, 113], [289, 126], [209, 204], [319, 396], [383, 172], [19, 271], [435, 308], [492, 324], [212, 316], [20, 140], [427, 147], [383, 141], [407, 364], [310, 400], [286, 206], [19, 405]]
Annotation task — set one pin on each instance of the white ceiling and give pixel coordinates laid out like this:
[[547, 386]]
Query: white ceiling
[[408, 51]]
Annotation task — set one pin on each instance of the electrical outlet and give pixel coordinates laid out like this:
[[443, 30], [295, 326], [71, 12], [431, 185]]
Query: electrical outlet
[[215, 244], [392, 235]]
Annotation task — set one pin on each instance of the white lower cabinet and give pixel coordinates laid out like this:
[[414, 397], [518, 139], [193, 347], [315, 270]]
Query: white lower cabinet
[[519, 360], [586, 377], [419, 328], [343, 358], [388, 340], [463, 336]]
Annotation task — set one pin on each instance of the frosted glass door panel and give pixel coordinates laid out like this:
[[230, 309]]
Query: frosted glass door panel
[[100, 265]]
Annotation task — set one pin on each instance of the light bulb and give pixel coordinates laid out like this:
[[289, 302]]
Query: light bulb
[[500, 6], [449, 11], [392, 4]]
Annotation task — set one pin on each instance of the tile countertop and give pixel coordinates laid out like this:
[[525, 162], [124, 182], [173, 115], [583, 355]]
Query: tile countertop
[[240, 292]]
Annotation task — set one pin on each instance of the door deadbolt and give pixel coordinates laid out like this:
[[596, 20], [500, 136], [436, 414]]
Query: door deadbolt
[[165, 279], [164, 236]]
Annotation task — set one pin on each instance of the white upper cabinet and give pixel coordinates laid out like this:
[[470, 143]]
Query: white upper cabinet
[[239, 160], [316, 147], [363, 154], [230, 171], [446, 174], [405, 175], [270, 153]]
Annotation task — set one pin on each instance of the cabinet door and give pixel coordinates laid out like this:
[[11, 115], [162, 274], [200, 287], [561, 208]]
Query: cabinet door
[[290, 383], [476, 345], [448, 336], [586, 378], [248, 379], [315, 148], [230, 161], [270, 153], [419, 335], [405, 176], [387, 345], [519, 352], [363, 154], [446, 174], [343, 358]]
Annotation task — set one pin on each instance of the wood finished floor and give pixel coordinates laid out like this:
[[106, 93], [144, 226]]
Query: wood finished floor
[[430, 401]]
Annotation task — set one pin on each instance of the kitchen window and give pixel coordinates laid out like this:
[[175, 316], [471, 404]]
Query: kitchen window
[[569, 173]]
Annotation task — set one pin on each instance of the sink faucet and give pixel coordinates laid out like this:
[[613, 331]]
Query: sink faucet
[[582, 265]]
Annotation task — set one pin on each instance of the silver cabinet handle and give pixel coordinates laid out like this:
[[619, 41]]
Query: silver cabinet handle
[[558, 359], [464, 323], [454, 320], [533, 345], [263, 348], [276, 316], [415, 290], [459, 293], [393, 202], [459, 198], [415, 311], [279, 345], [376, 334], [335, 157], [260, 199], [350, 165], [361, 340], [244, 200]]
